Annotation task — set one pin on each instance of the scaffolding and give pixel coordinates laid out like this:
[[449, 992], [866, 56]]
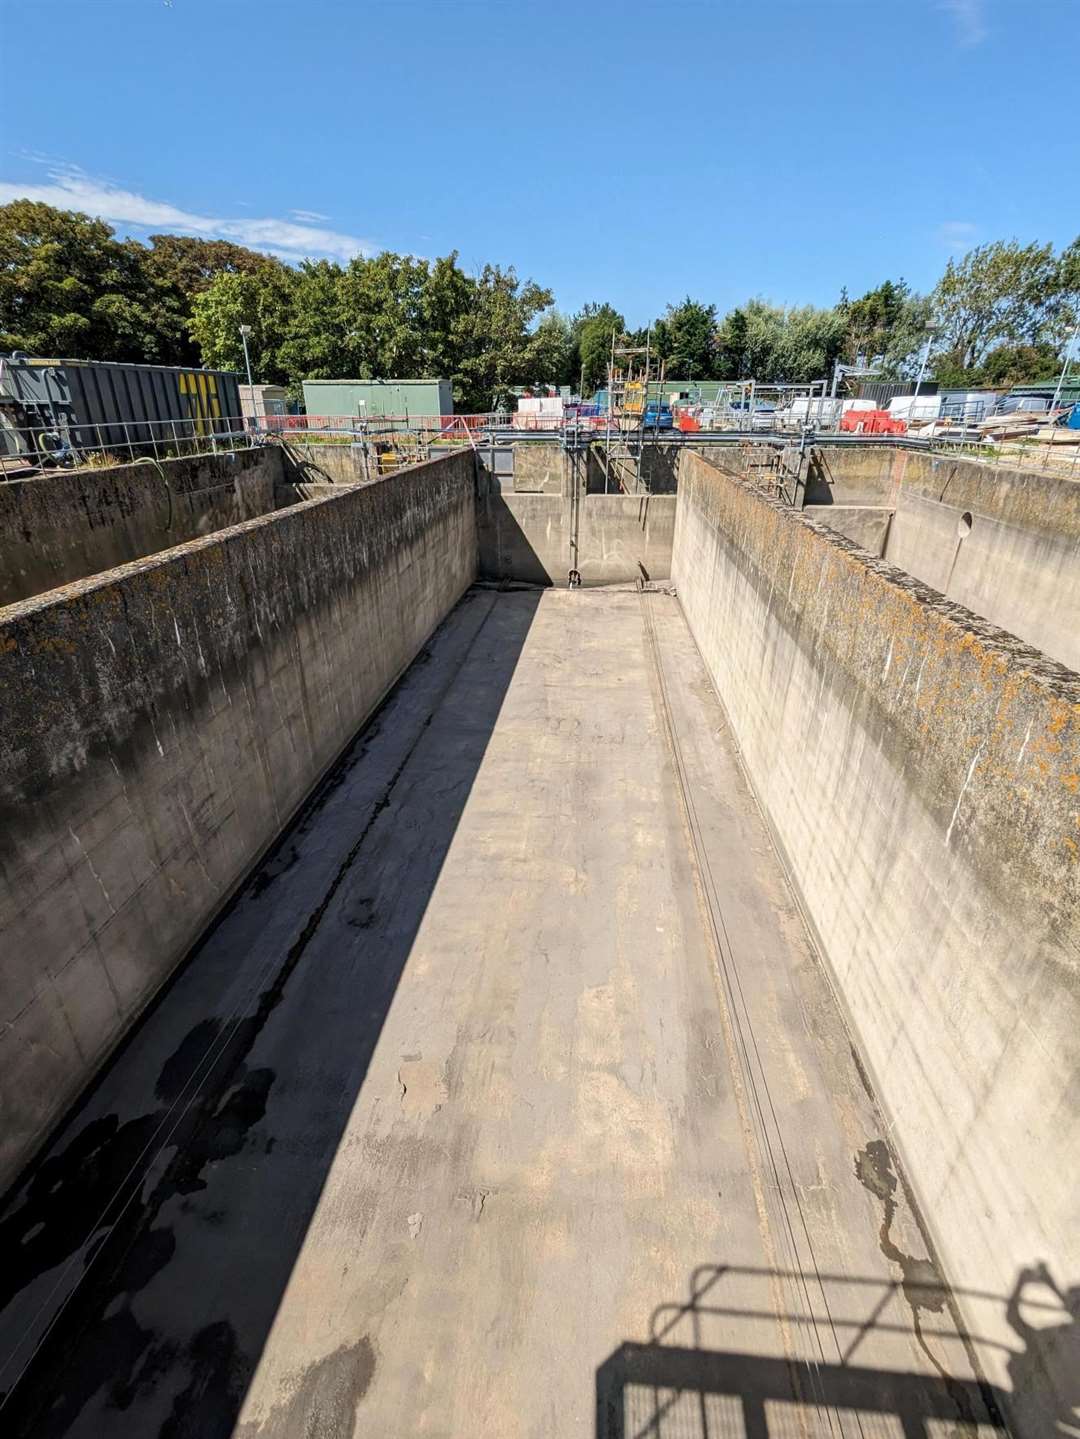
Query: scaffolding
[[634, 374]]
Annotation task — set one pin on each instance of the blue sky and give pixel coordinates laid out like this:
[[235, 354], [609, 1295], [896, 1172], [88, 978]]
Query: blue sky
[[635, 152]]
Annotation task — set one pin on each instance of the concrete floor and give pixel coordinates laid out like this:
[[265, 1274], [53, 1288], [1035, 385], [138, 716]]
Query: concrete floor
[[509, 1099]]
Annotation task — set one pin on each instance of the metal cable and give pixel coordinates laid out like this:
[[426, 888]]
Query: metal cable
[[725, 953]]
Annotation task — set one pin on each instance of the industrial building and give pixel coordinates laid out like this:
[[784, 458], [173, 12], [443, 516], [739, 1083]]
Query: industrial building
[[369, 398], [259, 401]]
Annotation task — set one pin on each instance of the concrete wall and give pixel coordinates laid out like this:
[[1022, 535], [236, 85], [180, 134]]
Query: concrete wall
[[864, 525], [619, 538], [656, 473], [1018, 564], [540, 468], [67, 524], [921, 771], [544, 467], [327, 464], [159, 725]]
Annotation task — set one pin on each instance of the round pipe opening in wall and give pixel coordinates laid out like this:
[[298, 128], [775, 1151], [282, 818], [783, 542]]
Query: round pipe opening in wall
[[963, 525]]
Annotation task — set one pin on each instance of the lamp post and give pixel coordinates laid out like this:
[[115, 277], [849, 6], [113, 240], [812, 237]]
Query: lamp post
[[245, 331], [931, 331]]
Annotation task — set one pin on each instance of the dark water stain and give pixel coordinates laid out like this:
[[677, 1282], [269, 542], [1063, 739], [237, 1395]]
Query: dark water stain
[[280, 863], [96, 1195], [218, 1376], [178, 1069], [117, 1346], [323, 1400], [99, 1181], [923, 1286], [922, 1283], [79, 1187], [361, 914]]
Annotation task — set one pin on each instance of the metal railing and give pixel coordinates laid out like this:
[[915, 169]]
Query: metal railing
[[445, 426], [394, 440], [105, 443]]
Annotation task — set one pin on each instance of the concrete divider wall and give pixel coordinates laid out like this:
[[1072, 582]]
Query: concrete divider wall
[[159, 725], [329, 463], [609, 539], [1004, 542], [541, 468], [921, 771], [66, 524], [864, 525]]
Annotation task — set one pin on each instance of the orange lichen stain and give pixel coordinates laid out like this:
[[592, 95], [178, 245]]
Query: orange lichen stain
[[7, 644], [1073, 846], [1071, 782]]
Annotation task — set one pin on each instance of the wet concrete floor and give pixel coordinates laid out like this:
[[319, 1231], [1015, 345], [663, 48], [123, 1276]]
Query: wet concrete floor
[[509, 1099]]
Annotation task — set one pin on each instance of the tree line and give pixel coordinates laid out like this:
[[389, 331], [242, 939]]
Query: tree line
[[69, 287]]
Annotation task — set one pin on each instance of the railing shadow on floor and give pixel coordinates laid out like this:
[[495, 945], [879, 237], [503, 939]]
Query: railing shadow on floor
[[677, 1386]]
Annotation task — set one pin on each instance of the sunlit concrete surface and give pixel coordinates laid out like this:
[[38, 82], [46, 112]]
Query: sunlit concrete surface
[[509, 1099]]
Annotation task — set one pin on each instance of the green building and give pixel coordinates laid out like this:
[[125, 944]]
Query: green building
[[361, 398]]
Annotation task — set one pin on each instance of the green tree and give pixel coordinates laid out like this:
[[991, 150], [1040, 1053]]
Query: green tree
[[1065, 306], [263, 299], [732, 355], [180, 267], [70, 289], [498, 339], [317, 343], [785, 346], [1020, 365], [592, 328], [445, 308], [1002, 293], [686, 339], [551, 350], [383, 302]]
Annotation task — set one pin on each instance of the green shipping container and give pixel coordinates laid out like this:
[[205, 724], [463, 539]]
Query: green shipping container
[[363, 398]]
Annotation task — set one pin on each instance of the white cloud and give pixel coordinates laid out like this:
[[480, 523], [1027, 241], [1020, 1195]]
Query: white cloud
[[969, 17], [310, 215], [70, 188], [958, 235]]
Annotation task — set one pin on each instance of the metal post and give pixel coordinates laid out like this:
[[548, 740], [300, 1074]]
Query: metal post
[[610, 394], [644, 402], [931, 331], [245, 331], [1064, 368]]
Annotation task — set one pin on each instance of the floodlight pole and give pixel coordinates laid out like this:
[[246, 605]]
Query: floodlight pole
[[245, 331]]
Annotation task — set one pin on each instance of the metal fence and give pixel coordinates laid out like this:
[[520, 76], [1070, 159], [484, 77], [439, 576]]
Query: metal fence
[[48, 446], [391, 440]]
